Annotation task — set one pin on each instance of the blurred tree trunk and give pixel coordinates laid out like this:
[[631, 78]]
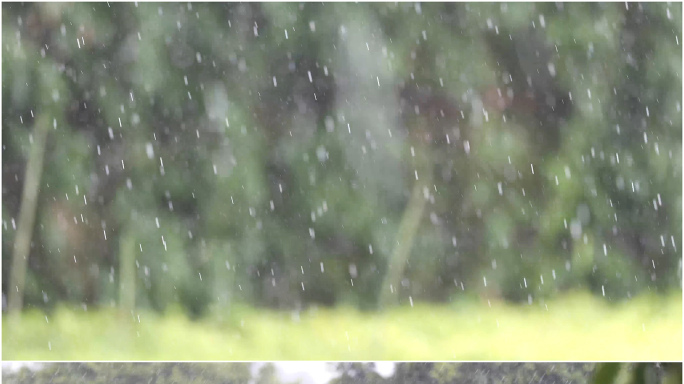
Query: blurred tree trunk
[[27, 217], [408, 227], [638, 373], [127, 272]]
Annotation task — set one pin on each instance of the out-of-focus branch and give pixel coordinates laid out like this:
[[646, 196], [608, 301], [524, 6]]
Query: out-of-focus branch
[[27, 216], [606, 373], [127, 272], [408, 228]]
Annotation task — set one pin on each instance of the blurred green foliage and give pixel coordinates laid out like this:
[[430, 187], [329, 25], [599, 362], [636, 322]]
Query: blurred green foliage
[[648, 328], [508, 373], [352, 373], [129, 373], [266, 153]]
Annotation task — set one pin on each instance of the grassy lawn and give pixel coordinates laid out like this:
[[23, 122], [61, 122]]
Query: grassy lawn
[[575, 327]]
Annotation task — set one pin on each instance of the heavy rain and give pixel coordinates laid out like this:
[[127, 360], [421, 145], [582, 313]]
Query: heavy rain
[[343, 181]]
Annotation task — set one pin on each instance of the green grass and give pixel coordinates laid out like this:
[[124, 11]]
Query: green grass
[[576, 327]]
